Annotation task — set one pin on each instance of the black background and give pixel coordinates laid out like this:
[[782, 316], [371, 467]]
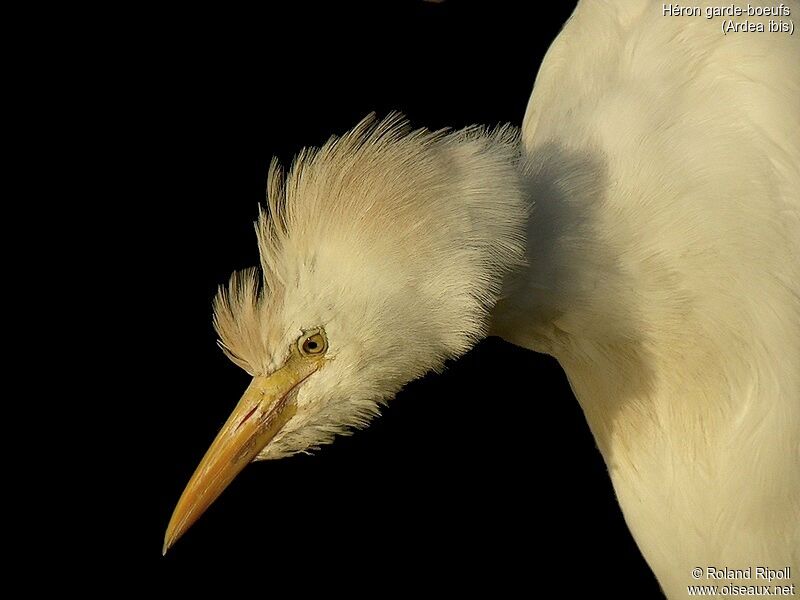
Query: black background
[[483, 478]]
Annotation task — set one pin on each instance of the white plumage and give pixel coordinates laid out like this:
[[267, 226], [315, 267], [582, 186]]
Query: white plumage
[[655, 198], [665, 274]]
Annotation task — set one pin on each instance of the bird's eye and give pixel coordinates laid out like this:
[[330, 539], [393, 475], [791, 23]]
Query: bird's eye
[[313, 343]]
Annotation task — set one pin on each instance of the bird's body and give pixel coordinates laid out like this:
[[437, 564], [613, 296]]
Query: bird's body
[[664, 252], [656, 197]]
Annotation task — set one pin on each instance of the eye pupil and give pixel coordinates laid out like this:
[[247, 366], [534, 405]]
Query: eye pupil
[[312, 345]]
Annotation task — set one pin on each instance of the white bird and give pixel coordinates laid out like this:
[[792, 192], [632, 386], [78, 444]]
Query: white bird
[[644, 229]]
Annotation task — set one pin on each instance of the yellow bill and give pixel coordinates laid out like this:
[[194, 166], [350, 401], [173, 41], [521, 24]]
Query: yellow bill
[[266, 406]]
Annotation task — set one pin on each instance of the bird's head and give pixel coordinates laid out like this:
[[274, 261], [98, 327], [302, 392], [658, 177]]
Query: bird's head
[[382, 254]]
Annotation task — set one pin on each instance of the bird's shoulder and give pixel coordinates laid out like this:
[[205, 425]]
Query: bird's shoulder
[[670, 154]]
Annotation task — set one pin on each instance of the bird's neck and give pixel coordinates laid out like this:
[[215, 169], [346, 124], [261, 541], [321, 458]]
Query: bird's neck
[[613, 314], [573, 299], [571, 286]]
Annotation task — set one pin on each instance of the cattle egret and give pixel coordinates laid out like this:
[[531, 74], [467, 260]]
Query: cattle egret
[[643, 228]]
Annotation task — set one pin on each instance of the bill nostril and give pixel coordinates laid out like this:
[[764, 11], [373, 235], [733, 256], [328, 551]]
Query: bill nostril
[[246, 417]]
